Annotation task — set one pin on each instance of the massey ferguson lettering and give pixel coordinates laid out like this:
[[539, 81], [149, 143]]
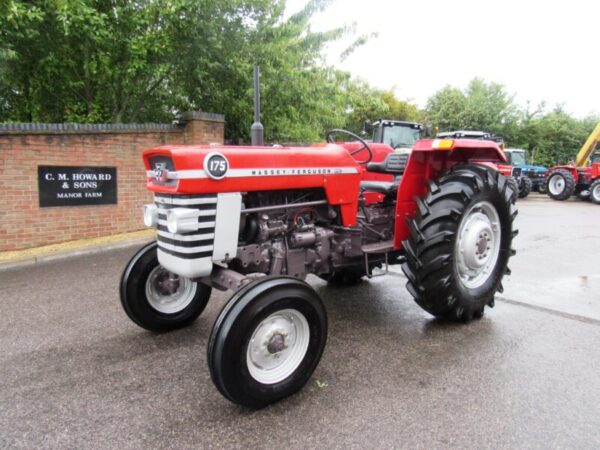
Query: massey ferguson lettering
[[283, 172]]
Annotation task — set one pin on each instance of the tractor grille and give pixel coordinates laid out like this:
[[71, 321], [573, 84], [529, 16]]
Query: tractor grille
[[192, 245], [535, 174], [516, 172]]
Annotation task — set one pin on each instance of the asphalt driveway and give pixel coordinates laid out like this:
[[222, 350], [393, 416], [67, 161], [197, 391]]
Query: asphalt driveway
[[76, 373]]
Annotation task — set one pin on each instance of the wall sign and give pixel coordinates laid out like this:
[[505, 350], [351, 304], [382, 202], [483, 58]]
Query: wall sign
[[74, 186]]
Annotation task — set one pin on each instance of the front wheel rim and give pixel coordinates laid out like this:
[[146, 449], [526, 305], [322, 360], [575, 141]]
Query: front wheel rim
[[278, 346], [478, 244], [556, 186], [167, 292]]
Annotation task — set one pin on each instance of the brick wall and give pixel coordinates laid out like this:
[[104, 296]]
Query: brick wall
[[24, 147]]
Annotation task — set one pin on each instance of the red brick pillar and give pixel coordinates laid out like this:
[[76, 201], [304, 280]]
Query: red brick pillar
[[203, 128]]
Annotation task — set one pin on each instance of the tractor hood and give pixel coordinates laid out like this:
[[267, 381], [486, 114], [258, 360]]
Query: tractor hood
[[531, 167], [201, 169]]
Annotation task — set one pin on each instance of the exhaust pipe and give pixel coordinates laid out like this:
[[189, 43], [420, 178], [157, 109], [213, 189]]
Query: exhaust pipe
[[257, 130]]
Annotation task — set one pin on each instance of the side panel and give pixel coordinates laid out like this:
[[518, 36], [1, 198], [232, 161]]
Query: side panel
[[421, 167], [595, 169], [227, 225]]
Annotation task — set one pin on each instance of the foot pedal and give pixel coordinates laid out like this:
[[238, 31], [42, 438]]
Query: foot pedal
[[377, 248]]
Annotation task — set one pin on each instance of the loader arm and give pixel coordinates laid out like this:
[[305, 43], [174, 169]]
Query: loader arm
[[590, 144]]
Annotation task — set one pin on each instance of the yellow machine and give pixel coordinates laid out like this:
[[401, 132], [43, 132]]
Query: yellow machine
[[588, 148], [564, 181]]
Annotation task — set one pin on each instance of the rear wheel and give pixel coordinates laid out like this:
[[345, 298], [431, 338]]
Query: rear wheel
[[159, 300], [595, 192], [460, 242], [525, 187], [267, 341], [560, 184]]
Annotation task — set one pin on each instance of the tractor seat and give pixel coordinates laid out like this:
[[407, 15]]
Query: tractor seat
[[381, 187], [394, 164]]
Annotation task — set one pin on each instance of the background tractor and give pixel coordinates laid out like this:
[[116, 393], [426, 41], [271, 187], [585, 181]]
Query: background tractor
[[516, 157], [398, 134], [520, 182], [579, 177]]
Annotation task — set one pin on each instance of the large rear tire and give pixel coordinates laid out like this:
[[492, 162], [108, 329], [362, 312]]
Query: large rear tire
[[595, 192], [267, 341], [156, 299], [560, 185], [460, 242]]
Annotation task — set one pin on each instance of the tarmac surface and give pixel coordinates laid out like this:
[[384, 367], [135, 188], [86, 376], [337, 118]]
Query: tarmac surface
[[76, 373]]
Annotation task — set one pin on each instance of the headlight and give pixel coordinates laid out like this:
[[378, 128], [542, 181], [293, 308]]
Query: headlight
[[182, 220], [150, 215]]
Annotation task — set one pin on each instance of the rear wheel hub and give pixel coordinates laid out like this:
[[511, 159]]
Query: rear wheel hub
[[556, 185], [478, 244]]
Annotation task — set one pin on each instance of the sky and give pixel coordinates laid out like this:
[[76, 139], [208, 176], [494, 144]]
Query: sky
[[539, 50]]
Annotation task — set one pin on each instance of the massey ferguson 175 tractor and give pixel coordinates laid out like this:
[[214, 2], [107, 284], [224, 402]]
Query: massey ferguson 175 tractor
[[576, 178], [257, 220]]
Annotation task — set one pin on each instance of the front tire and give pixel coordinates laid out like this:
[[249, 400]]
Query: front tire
[[460, 243], [156, 299], [560, 185], [525, 187], [595, 192], [267, 341]]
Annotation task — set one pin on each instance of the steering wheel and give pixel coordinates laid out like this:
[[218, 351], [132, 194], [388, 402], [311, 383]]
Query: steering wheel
[[365, 146]]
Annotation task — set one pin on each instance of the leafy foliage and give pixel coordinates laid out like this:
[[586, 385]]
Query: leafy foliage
[[550, 137], [147, 60]]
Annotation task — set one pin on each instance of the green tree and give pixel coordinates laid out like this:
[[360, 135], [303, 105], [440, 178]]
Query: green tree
[[556, 137], [369, 104], [482, 106], [147, 60]]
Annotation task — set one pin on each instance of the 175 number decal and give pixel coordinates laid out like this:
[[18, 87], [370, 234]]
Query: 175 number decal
[[216, 165]]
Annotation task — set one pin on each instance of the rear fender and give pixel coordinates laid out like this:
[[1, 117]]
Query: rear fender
[[569, 168], [428, 160]]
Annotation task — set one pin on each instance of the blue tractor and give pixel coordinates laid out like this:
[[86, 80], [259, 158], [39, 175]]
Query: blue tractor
[[536, 174]]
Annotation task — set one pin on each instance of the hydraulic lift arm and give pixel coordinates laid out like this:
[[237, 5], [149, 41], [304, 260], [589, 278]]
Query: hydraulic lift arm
[[589, 146]]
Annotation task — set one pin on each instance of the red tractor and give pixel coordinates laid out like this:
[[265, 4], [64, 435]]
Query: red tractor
[[257, 220], [579, 177]]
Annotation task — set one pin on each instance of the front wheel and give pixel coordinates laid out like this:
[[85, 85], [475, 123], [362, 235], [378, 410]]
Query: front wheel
[[460, 242], [159, 300], [267, 341], [525, 187], [595, 192]]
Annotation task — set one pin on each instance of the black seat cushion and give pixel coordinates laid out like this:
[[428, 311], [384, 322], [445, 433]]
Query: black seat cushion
[[382, 187]]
